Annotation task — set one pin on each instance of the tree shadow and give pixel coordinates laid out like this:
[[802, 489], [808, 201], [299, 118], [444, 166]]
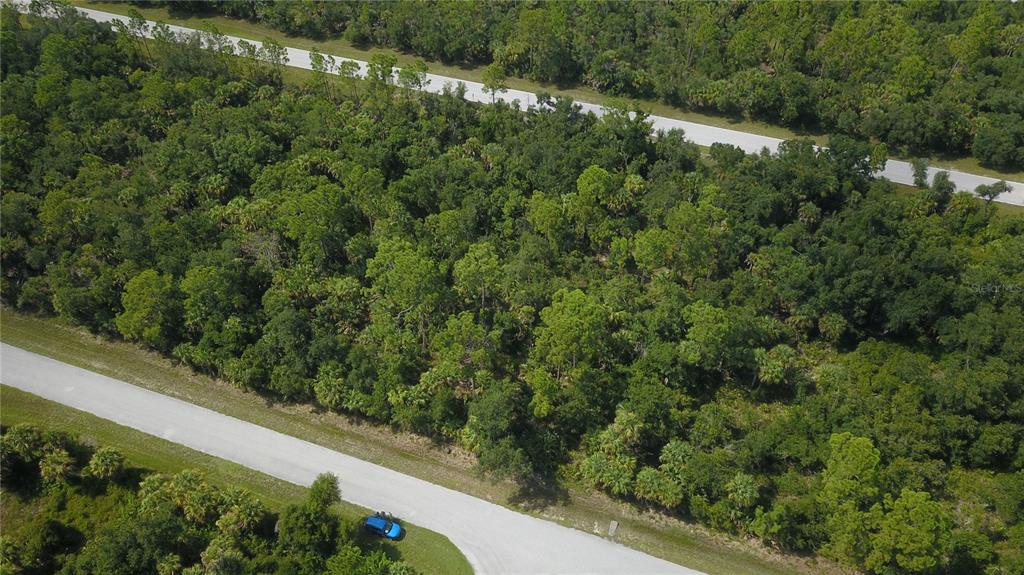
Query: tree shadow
[[131, 477], [186, 9], [127, 478], [539, 494]]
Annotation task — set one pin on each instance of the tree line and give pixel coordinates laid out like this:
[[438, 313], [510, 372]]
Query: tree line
[[923, 77], [77, 510], [779, 345]]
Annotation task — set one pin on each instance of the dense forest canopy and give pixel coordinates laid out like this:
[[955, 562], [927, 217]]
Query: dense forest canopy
[[778, 346], [77, 510], [923, 76]]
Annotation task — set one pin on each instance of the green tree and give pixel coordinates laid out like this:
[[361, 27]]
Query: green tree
[[381, 69], [743, 491], [192, 493], [992, 191], [718, 339], [106, 463], [324, 491], [538, 47], [574, 331], [410, 284], [243, 514], [477, 275], [151, 310], [920, 168], [56, 466], [914, 536], [613, 462], [413, 76], [775, 365], [655, 485], [323, 66], [24, 441], [547, 216], [851, 472], [848, 494], [494, 80], [308, 534], [587, 208], [492, 430], [221, 557], [169, 564], [999, 141]]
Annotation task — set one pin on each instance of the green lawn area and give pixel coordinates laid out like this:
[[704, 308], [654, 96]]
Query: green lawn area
[[343, 48], [1002, 210], [1008, 209], [427, 551], [662, 536]]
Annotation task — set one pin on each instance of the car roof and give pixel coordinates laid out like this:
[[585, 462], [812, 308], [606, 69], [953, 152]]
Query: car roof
[[378, 522]]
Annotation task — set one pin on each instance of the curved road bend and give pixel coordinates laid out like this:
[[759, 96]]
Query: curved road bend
[[494, 539], [895, 170]]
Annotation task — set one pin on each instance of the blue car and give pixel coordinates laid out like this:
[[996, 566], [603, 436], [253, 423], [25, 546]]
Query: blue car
[[382, 525]]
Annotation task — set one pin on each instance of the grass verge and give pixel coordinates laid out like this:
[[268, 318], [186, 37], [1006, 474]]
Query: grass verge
[[427, 551], [659, 535], [345, 49], [1002, 210]]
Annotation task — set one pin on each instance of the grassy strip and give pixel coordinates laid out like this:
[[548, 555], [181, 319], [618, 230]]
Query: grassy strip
[[657, 535], [1006, 210], [1002, 210], [427, 551], [143, 450], [343, 48]]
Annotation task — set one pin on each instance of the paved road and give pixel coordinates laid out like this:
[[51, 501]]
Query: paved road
[[494, 539], [702, 134]]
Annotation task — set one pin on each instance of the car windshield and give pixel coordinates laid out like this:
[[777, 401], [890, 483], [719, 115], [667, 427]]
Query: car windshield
[[387, 526]]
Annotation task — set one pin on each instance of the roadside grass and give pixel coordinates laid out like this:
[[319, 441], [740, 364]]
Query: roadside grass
[[1007, 210], [343, 48], [1002, 210], [970, 165], [142, 450], [663, 536], [427, 551]]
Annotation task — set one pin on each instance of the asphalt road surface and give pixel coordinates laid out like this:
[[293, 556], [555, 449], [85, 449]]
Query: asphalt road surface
[[701, 134], [494, 539]]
